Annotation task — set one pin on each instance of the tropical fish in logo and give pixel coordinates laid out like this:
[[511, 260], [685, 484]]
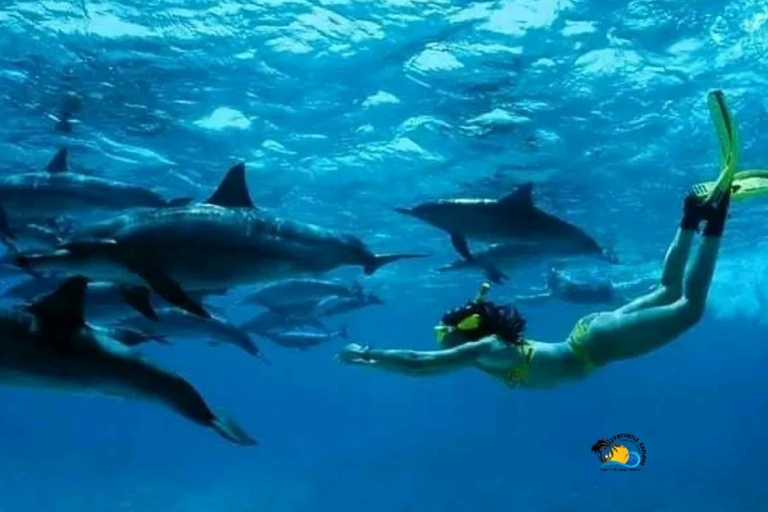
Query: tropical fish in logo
[[610, 453]]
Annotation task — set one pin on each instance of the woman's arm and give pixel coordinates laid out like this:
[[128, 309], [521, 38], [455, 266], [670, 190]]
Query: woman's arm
[[417, 363]]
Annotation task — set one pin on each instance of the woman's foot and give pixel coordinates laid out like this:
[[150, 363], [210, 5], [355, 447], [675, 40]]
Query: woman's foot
[[694, 212], [717, 215], [697, 209]]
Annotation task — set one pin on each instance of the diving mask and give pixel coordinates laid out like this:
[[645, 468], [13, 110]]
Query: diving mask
[[471, 322]]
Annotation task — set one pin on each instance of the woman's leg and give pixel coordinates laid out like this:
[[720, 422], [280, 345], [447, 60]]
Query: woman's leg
[[615, 336], [671, 287]]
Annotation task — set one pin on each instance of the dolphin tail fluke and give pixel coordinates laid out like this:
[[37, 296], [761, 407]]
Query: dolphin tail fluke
[[231, 431], [379, 260]]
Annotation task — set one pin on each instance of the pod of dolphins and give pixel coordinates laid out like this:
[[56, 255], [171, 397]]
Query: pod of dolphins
[[147, 269]]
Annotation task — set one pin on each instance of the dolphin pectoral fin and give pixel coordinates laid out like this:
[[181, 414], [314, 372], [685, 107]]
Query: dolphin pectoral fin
[[264, 359], [162, 339], [493, 273], [132, 337], [58, 163], [462, 246], [233, 190], [231, 431], [163, 285], [138, 297], [63, 310]]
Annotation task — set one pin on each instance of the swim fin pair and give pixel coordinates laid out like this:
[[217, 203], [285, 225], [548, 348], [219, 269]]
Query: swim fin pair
[[744, 184], [728, 138]]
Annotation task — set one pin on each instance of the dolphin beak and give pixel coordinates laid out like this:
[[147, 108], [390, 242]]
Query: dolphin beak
[[405, 211]]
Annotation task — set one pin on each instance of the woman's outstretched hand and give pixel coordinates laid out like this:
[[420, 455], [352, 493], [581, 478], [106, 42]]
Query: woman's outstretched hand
[[354, 354]]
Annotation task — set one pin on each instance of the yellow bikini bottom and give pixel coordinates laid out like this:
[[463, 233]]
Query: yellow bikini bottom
[[517, 374], [576, 340]]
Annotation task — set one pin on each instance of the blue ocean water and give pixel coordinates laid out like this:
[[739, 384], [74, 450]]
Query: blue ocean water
[[342, 111]]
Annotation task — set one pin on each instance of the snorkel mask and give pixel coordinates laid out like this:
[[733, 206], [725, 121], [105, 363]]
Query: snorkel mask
[[470, 323]]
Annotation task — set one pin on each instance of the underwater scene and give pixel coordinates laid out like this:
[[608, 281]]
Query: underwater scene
[[397, 255]]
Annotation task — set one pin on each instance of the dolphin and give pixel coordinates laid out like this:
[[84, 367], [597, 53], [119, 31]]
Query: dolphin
[[222, 243], [307, 314], [102, 300], [333, 306], [49, 345], [292, 291], [271, 320], [304, 340], [57, 191], [33, 233], [510, 256], [513, 218], [174, 322], [133, 337]]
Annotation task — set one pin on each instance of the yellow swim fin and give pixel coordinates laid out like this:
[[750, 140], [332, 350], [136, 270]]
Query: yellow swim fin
[[728, 137], [745, 185]]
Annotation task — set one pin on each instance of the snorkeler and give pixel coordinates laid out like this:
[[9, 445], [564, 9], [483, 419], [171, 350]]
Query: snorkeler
[[491, 338], [560, 286]]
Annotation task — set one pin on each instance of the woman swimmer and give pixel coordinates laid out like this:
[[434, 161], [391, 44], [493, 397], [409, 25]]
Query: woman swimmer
[[490, 337]]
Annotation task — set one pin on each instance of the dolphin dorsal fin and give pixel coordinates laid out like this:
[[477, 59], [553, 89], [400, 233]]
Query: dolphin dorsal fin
[[233, 190], [63, 309], [58, 163], [522, 197]]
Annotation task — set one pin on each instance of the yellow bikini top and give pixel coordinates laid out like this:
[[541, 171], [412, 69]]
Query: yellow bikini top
[[517, 373]]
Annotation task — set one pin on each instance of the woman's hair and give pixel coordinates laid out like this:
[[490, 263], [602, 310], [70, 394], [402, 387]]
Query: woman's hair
[[505, 322]]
